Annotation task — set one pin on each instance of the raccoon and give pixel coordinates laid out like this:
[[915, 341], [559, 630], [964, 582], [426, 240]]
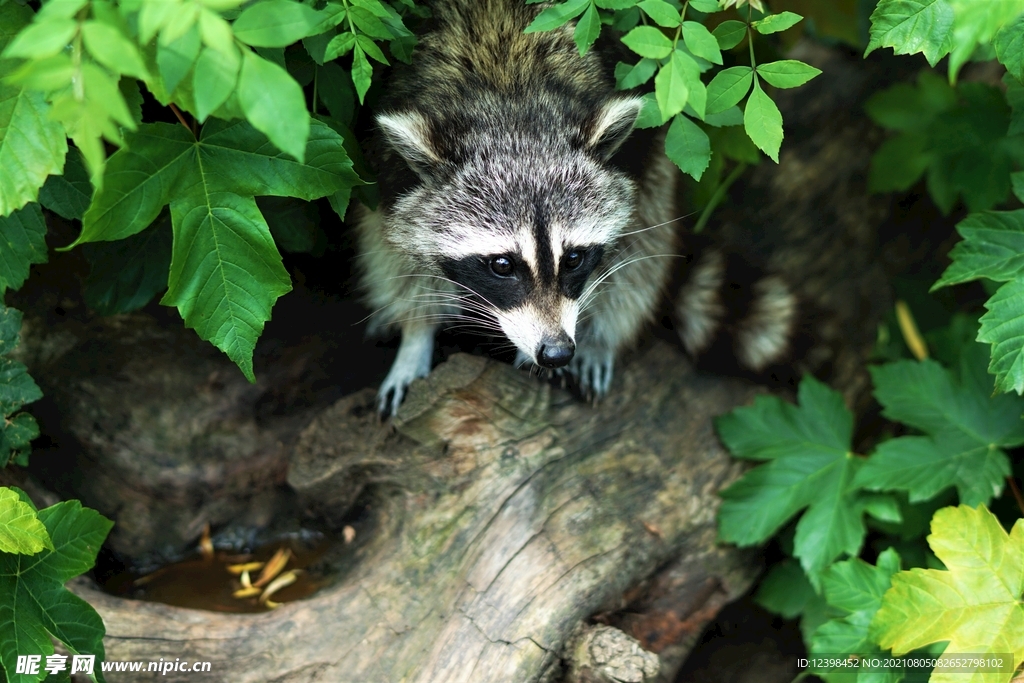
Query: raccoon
[[514, 189]]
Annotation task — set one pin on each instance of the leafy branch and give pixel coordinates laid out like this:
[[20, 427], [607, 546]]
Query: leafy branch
[[677, 61], [73, 70]]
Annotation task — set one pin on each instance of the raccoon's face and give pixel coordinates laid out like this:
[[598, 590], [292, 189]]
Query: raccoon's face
[[520, 222]]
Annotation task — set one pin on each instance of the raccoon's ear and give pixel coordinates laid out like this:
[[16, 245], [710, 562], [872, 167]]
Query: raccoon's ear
[[408, 133], [612, 125]]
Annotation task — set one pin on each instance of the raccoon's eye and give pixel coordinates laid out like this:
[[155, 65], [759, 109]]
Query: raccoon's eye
[[502, 266], [574, 259]]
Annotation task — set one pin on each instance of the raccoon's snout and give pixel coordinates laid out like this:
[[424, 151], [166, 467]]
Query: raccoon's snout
[[555, 353]]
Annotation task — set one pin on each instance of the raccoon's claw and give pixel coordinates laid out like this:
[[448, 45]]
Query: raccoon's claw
[[392, 391], [593, 372], [388, 400], [412, 362]]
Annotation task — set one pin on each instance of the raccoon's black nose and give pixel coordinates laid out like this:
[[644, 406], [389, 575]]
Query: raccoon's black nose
[[555, 354]]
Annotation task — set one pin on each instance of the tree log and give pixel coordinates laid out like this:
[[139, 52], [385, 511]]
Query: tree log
[[505, 514]]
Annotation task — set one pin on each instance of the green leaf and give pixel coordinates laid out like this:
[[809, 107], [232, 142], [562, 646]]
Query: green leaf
[[975, 159], [854, 589], [112, 49], [700, 42], [1003, 327], [402, 48], [339, 45], [809, 466], [650, 113], [728, 87], [43, 38], [705, 6], [966, 429], [926, 466], [1009, 45], [101, 114], [671, 87], [17, 388], [143, 180], [35, 605], [787, 73], [730, 33], [588, 28], [10, 329], [214, 79], [336, 92], [293, 223], [366, 22], [785, 590], [49, 74], [630, 76], [370, 48], [22, 243], [975, 605], [732, 142], [763, 122], [611, 4], [19, 432], [226, 299], [362, 72], [275, 23], [65, 9], [1017, 183], [20, 531], [316, 46], [697, 97], [175, 59], [688, 147], [274, 104], [909, 107], [210, 183], [648, 41], [975, 26], [125, 275], [777, 22], [910, 26], [32, 146], [899, 163], [556, 16], [1015, 98], [661, 12], [215, 31], [68, 195], [733, 116], [992, 247]]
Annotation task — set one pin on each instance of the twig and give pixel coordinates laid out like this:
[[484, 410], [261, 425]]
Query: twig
[[177, 112], [1016, 493], [718, 196]]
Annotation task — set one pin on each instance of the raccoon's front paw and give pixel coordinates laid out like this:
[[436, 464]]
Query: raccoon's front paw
[[392, 391], [593, 371], [412, 362]]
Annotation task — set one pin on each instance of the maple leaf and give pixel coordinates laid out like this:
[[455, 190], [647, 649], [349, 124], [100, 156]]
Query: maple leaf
[[975, 604]]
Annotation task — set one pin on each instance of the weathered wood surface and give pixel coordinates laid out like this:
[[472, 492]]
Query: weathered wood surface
[[505, 515]]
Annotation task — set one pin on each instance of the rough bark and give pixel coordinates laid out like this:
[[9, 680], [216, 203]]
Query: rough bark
[[505, 514]]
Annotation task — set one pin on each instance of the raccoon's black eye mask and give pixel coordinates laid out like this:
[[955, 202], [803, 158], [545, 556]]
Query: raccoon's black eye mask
[[503, 280], [577, 265]]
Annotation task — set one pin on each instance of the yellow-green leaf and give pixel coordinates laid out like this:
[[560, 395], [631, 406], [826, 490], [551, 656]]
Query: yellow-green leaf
[[20, 531], [975, 604]]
